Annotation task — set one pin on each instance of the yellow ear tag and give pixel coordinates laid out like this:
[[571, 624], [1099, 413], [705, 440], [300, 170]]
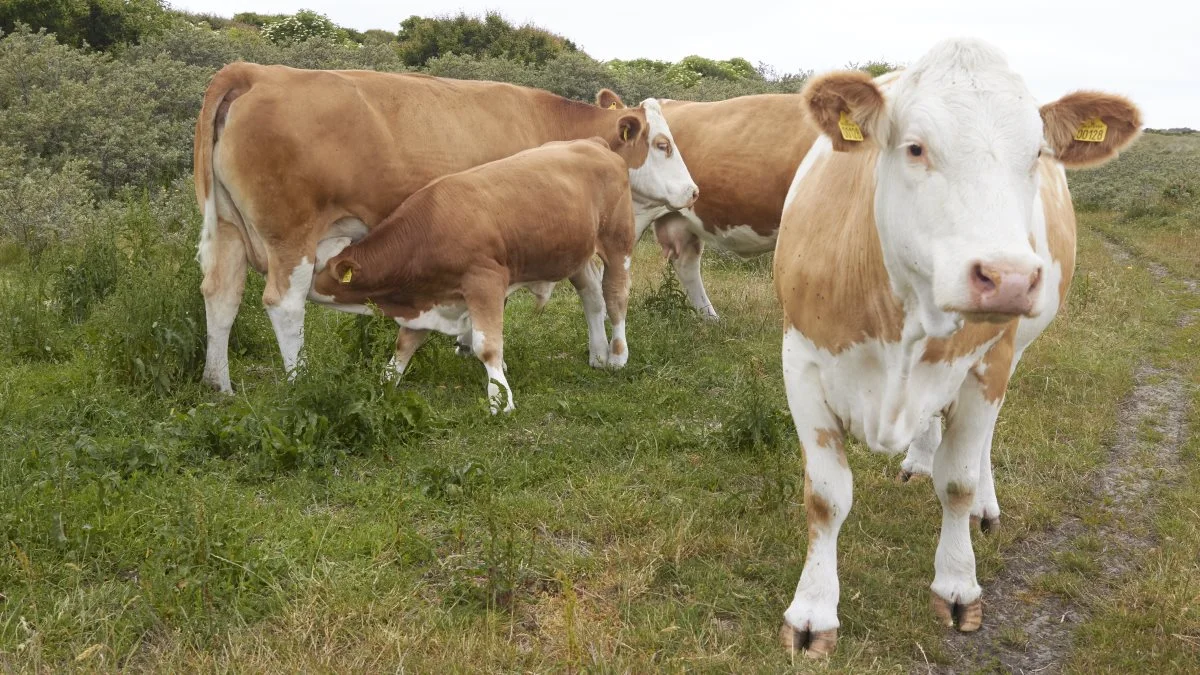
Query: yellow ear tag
[[612, 106], [850, 130], [347, 274], [625, 134], [1092, 131]]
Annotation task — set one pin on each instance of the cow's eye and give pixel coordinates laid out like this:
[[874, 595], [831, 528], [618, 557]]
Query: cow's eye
[[915, 150], [665, 147]]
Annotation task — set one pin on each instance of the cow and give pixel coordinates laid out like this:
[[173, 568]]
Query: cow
[[285, 159], [929, 236], [737, 154], [447, 258]]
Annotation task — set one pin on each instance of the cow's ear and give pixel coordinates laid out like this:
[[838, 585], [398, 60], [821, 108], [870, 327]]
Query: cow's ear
[[629, 128], [607, 98], [1087, 128], [345, 270], [846, 106]]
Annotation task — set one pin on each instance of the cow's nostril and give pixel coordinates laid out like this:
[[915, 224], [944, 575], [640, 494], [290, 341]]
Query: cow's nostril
[[981, 279], [1037, 280]]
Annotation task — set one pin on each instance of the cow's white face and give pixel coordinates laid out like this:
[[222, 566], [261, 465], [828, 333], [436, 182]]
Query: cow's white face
[[663, 179], [957, 180], [958, 139]]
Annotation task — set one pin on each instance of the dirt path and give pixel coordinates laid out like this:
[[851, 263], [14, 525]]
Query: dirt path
[[1028, 631]]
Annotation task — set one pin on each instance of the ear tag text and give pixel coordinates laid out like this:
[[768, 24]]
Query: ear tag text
[[612, 106], [850, 130], [1091, 131]]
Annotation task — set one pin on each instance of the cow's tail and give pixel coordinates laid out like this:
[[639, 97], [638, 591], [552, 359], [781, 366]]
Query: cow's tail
[[229, 83]]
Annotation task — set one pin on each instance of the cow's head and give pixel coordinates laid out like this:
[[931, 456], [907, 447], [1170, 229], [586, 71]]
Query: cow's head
[[958, 139], [657, 174]]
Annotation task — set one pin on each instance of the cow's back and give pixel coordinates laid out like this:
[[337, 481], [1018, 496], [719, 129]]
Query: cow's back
[[367, 140], [539, 212], [743, 153]]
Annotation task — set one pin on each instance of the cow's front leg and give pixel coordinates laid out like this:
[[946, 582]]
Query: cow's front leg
[[408, 341], [957, 598], [811, 620]]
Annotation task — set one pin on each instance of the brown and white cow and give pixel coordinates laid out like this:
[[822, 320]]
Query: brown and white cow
[[447, 258], [287, 158], [743, 153], [928, 239]]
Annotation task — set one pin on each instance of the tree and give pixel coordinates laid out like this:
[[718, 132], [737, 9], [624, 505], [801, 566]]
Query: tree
[[100, 24]]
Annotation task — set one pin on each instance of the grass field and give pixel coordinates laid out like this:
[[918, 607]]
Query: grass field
[[639, 520]]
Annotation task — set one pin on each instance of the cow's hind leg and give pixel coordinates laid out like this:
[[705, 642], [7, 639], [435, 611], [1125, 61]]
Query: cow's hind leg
[[685, 250], [288, 283], [587, 283], [986, 510], [811, 621], [222, 257], [616, 301], [956, 595], [484, 295]]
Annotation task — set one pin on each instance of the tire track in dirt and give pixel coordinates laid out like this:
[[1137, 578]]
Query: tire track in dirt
[[1029, 631]]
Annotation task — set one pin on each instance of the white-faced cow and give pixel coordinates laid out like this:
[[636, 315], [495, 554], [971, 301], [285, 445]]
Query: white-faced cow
[[286, 158], [928, 238], [743, 153], [447, 258]]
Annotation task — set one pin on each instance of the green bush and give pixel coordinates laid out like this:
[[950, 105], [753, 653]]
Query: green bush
[[39, 207], [303, 25], [422, 39], [31, 327], [149, 331]]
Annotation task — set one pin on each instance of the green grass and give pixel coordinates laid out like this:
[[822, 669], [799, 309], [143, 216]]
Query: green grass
[[631, 521]]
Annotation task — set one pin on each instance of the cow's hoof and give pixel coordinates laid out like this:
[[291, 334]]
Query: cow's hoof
[[906, 476], [815, 644], [987, 524], [967, 618]]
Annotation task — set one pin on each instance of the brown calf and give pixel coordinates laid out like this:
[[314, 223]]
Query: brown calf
[[447, 258]]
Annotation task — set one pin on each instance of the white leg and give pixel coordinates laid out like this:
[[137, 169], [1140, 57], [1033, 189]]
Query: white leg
[[491, 353], [919, 459], [684, 249], [986, 509], [287, 311], [222, 259], [587, 284], [811, 619], [618, 349], [687, 268], [956, 593]]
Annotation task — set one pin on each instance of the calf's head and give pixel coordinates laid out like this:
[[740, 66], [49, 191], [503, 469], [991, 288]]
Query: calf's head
[[957, 141], [657, 173]]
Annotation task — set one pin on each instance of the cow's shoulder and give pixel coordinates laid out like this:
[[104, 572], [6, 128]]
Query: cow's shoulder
[[829, 269]]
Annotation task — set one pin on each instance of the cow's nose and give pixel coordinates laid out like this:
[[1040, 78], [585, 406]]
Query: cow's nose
[[1004, 288], [694, 197]]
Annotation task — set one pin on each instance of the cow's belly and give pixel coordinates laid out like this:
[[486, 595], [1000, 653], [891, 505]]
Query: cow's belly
[[867, 388], [451, 319]]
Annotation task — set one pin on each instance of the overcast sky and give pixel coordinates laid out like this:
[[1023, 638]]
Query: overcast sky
[[1149, 51]]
